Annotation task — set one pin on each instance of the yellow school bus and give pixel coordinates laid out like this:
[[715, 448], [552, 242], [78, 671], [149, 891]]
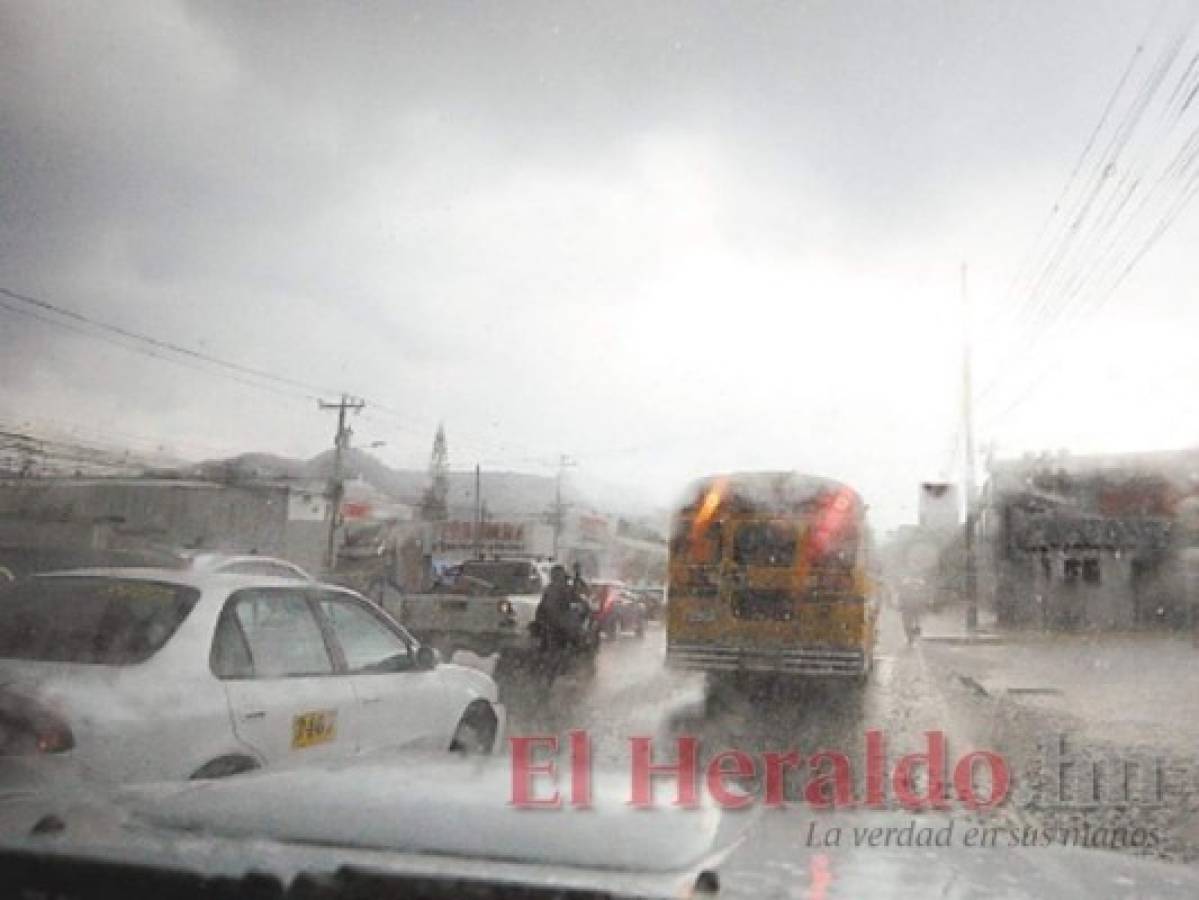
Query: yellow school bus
[[770, 572]]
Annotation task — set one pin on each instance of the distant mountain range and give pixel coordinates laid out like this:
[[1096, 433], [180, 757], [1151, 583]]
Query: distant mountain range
[[26, 452], [513, 494]]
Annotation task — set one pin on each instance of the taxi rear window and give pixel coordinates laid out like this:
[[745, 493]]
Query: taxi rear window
[[102, 621]]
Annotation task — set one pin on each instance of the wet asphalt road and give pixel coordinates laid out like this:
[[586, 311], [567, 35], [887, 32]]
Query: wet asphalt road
[[633, 694], [910, 693]]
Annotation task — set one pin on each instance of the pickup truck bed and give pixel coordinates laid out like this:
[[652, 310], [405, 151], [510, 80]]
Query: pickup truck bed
[[487, 609], [482, 624]]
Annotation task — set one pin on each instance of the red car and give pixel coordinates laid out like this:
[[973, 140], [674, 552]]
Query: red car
[[617, 609]]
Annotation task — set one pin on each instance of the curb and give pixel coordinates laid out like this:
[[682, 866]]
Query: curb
[[962, 639]]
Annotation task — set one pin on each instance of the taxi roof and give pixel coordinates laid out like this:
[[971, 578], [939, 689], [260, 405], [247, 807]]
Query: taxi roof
[[199, 579]]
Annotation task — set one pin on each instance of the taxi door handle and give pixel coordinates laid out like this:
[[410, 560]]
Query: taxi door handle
[[255, 714], [366, 700]]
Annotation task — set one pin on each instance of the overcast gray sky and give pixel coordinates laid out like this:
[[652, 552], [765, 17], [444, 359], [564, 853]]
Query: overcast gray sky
[[665, 238]]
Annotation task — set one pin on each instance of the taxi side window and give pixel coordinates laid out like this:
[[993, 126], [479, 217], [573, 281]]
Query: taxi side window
[[367, 643], [230, 658], [281, 634]]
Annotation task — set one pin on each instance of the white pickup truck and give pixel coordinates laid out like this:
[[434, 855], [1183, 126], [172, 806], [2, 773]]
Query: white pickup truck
[[486, 608]]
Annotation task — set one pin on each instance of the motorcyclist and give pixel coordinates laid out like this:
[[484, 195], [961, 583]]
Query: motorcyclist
[[554, 620], [560, 622]]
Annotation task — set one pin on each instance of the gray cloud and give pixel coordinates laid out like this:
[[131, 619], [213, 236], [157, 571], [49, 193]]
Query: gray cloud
[[583, 227]]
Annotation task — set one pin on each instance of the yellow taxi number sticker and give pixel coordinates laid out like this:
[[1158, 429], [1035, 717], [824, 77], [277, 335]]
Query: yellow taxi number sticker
[[312, 728]]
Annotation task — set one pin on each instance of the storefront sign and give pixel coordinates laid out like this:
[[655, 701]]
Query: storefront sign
[[488, 537]]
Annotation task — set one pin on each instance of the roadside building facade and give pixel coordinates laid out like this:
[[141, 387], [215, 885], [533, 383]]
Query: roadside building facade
[[1089, 542], [284, 519]]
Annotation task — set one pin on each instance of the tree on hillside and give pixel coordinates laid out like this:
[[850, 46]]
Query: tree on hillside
[[433, 506]]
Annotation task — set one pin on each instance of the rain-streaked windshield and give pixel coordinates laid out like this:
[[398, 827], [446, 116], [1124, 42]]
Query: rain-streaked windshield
[[640, 446]]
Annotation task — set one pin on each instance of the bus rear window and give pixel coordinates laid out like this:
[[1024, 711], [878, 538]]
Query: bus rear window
[[102, 621], [765, 544], [696, 546]]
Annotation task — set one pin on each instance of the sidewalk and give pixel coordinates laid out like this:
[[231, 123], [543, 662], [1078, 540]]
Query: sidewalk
[[1131, 687], [947, 625]]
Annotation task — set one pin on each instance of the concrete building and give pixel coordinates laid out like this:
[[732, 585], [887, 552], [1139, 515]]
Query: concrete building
[[938, 507], [600, 546], [282, 519], [1089, 541]]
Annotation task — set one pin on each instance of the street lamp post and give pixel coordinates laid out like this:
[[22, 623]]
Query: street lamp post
[[971, 585]]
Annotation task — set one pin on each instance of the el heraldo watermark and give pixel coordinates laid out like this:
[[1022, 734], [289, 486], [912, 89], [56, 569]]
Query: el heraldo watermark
[[549, 772]]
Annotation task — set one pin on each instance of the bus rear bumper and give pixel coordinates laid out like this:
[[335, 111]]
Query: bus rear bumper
[[789, 661]]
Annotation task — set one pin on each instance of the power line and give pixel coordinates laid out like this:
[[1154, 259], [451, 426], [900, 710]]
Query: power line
[[1095, 304], [155, 348], [1082, 157], [178, 354], [1076, 212], [1107, 252], [146, 350], [162, 344], [1040, 298], [1103, 235]]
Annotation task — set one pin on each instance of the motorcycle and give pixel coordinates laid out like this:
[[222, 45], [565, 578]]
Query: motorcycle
[[574, 654]]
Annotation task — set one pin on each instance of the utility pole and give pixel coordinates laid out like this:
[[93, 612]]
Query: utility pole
[[341, 443], [478, 512], [968, 474], [563, 462]]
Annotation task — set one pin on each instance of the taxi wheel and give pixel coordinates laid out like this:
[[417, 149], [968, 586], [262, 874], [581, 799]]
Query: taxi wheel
[[476, 730]]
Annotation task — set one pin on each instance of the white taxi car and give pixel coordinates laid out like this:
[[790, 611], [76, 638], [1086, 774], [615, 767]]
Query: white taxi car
[[243, 564], [154, 674]]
